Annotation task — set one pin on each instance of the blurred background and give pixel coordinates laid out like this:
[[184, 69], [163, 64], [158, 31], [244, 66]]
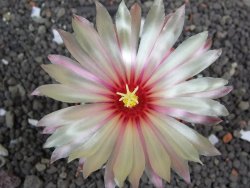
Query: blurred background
[[28, 36]]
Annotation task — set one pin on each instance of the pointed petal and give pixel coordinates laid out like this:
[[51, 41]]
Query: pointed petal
[[154, 178], [187, 116], [107, 33], [123, 162], [90, 41], [92, 145], [169, 35], [123, 26], [181, 54], [95, 161], [135, 13], [138, 161], [151, 30], [158, 157], [70, 94], [191, 68], [213, 94], [74, 67], [178, 164], [70, 115], [194, 86], [65, 76], [81, 56], [200, 106], [77, 132], [181, 145], [200, 142]]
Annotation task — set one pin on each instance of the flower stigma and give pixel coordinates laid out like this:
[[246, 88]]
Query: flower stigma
[[130, 99]]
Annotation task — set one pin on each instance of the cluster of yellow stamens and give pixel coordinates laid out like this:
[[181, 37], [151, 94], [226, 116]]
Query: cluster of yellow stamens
[[130, 99]]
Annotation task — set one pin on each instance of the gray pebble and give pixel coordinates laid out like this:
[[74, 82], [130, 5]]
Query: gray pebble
[[41, 29], [60, 12], [50, 185], [40, 167], [244, 105], [9, 119], [32, 181]]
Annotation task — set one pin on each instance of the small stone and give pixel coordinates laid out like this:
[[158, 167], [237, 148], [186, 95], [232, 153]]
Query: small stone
[[2, 112], [32, 181], [7, 17], [217, 128], [20, 56], [45, 161], [11, 82], [9, 119], [31, 27], [79, 181], [227, 138], [245, 135], [50, 185], [57, 38], [244, 105], [21, 90], [39, 59], [60, 12], [52, 170], [213, 139], [63, 175], [192, 27], [3, 151], [62, 183], [234, 172], [5, 62], [247, 2], [32, 122], [236, 133], [100, 184], [41, 29], [40, 167]]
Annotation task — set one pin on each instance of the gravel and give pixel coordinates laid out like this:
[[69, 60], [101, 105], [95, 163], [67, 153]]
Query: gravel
[[32, 181], [26, 42]]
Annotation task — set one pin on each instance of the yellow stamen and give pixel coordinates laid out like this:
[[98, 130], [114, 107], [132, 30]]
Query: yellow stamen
[[129, 99]]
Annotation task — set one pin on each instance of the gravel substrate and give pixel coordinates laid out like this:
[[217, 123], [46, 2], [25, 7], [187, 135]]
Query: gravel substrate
[[24, 46]]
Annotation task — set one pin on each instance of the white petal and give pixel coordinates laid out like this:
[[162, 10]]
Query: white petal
[[81, 56], [107, 32], [185, 51], [91, 42], [191, 68], [169, 35], [123, 26], [151, 30], [196, 105], [71, 114], [138, 160], [158, 157], [181, 145], [76, 132], [200, 142], [194, 86], [92, 145], [71, 94], [95, 161]]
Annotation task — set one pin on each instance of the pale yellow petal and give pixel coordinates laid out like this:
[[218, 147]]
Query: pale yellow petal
[[95, 161], [158, 157], [123, 162], [93, 144], [138, 161]]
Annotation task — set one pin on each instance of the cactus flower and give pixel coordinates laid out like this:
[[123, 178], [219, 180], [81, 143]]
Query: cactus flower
[[133, 93]]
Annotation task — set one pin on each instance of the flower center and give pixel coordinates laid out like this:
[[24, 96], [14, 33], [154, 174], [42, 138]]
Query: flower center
[[130, 99]]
